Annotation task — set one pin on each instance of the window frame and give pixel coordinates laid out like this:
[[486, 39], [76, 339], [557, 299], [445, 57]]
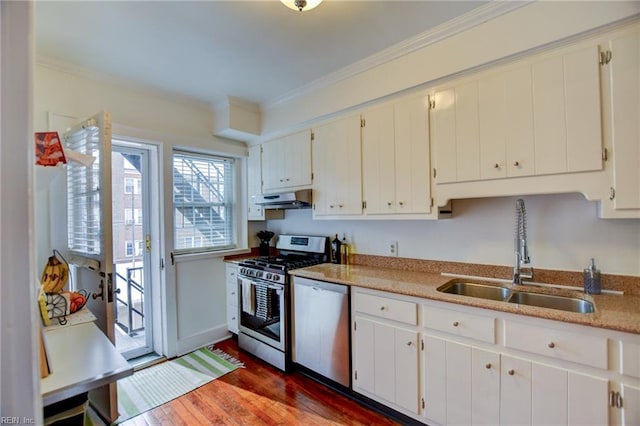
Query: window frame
[[236, 231]]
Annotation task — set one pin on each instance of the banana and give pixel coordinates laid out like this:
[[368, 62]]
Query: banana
[[54, 275]]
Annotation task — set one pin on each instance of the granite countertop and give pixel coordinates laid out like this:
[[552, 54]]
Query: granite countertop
[[613, 311]]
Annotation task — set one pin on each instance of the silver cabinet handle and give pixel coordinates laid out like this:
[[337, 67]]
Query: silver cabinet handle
[[516, 164], [456, 323], [409, 343], [612, 399], [496, 166], [488, 366], [511, 372], [551, 345], [382, 308], [618, 400]]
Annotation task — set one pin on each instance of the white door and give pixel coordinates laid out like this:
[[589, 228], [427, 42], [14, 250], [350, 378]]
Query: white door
[[89, 233], [132, 233]]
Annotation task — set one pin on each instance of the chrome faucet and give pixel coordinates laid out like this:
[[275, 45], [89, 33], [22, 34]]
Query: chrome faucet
[[522, 254]]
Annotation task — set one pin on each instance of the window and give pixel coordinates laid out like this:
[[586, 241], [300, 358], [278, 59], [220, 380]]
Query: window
[[128, 249], [203, 202], [139, 247], [128, 216], [83, 191], [132, 185]]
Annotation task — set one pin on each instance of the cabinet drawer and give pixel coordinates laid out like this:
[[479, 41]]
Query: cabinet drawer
[[231, 273], [461, 324], [392, 309], [232, 294], [232, 319], [558, 344]]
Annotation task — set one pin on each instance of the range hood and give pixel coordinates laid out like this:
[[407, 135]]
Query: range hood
[[285, 200]]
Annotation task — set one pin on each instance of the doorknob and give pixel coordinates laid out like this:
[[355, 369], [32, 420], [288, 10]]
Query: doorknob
[[94, 296]]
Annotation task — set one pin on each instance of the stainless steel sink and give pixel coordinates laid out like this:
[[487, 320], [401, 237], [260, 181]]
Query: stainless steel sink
[[563, 303], [503, 294], [476, 290]]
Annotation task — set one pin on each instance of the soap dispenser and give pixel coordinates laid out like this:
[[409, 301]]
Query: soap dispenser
[[592, 283]]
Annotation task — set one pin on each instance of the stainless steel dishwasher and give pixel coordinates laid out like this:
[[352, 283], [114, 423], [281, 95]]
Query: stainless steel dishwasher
[[321, 328]]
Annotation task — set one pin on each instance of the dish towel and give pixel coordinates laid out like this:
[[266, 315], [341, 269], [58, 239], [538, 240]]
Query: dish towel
[[248, 297]]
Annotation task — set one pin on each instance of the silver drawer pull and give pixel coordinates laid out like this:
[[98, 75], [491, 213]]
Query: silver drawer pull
[[456, 323], [488, 366], [551, 345], [511, 372], [382, 308], [409, 343]]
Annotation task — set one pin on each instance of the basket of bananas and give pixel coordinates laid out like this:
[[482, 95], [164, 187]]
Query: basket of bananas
[[54, 302]]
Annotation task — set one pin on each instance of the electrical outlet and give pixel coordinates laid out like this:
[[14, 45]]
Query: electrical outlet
[[392, 248]]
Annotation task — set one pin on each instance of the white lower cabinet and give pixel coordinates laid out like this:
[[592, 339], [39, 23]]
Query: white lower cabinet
[[385, 354], [386, 363], [447, 364], [232, 297], [461, 383]]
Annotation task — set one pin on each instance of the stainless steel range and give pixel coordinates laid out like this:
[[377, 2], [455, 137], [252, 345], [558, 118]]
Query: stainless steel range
[[265, 297]]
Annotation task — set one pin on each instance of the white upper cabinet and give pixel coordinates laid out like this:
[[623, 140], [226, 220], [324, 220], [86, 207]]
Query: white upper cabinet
[[534, 118], [286, 162], [337, 179], [254, 182], [395, 158], [624, 83]]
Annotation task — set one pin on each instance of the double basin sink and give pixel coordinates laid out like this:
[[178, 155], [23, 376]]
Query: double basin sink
[[504, 294]]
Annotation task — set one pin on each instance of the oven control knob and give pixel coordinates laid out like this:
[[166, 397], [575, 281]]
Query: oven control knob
[[259, 274], [268, 276]]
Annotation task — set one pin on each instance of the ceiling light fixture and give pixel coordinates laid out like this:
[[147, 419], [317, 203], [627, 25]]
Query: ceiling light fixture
[[301, 5]]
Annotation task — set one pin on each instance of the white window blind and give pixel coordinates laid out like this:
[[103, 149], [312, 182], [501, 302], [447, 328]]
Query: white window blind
[[203, 202], [84, 228]]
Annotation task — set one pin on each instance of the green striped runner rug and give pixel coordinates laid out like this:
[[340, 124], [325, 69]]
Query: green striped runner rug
[[161, 383]]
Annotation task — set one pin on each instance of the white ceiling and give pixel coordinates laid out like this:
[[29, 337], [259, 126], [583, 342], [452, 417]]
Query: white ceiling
[[207, 50]]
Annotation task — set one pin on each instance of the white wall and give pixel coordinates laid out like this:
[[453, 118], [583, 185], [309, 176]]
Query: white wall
[[563, 233]]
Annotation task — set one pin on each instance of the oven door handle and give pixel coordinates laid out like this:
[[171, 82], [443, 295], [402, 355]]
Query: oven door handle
[[266, 285]]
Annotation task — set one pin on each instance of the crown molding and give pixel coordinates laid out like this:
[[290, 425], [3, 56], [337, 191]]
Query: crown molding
[[79, 71], [447, 29]]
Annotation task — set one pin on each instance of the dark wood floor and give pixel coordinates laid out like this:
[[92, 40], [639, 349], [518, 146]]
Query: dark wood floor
[[260, 395]]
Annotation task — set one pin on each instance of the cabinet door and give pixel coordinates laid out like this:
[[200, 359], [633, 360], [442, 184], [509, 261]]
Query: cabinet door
[[413, 165], [386, 362], [467, 132], [273, 164], [406, 369], [630, 405], [297, 157], [548, 395], [485, 383], [492, 124], [435, 379], [443, 133], [286, 162], [566, 99], [254, 182], [625, 119], [363, 355], [337, 188], [458, 389], [518, 122], [378, 160], [515, 391], [587, 401]]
